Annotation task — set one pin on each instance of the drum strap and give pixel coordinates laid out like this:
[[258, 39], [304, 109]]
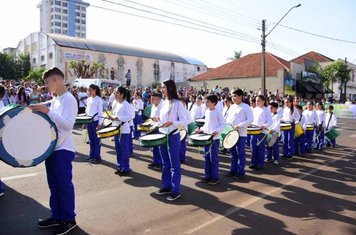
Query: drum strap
[[327, 127], [226, 111], [300, 118], [190, 108]]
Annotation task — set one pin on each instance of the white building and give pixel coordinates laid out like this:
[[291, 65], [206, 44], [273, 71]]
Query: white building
[[67, 17], [147, 66]]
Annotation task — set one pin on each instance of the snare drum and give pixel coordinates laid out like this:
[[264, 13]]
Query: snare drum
[[298, 131], [332, 134], [286, 126], [271, 138], [152, 140], [108, 132], [254, 130], [200, 122], [200, 140], [83, 119], [229, 137], [310, 127], [26, 138], [146, 126]]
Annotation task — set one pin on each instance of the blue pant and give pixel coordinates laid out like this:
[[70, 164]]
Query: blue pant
[[94, 141], [59, 177], [183, 150], [137, 121], [299, 144], [131, 142], [1, 187], [258, 151], [319, 139], [273, 152], [330, 142], [309, 140], [212, 160], [171, 171], [123, 151], [238, 156], [288, 142], [157, 159]]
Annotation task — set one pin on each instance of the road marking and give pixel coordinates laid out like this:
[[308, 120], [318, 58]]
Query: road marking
[[263, 195], [18, 176]]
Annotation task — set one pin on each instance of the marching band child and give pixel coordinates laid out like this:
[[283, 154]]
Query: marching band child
[[197, 111], [138, 105], [2, 93], [331, 122], [240, 117], [275, 127], [214, 124], [299, 142], [311, 119], [290, 115], [171, 117], [192, 103], [183, 147], [320, 126], [156, 100], [262, 118], [94, 108], [123, 112]]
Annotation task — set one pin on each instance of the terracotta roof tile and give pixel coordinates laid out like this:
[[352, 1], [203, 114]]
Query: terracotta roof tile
[[313, 56], [245, 67]]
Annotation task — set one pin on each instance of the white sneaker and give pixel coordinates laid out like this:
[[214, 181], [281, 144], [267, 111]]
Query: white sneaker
[[276, 162], [2, 194]]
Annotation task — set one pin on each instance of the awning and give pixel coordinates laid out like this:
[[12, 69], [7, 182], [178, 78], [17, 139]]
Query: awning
[[319, 88], [305, 87], [327, 90]]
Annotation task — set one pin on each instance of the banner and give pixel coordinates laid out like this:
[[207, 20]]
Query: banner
[[289, 86], [344, 110]]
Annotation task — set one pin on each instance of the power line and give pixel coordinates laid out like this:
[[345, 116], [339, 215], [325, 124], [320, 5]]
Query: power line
[[318, 35]]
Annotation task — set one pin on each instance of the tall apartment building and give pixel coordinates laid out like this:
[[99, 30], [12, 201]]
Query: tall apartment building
[[67, 17]]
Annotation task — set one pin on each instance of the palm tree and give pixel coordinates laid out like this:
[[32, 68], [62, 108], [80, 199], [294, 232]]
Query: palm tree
[[236, 56]]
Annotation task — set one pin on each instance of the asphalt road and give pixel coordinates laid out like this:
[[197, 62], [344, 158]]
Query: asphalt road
[[315, 194]]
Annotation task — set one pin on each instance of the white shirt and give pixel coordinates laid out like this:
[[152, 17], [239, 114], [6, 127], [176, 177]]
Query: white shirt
[[196, 112], [241, 116], [311, 117], [63, 112], [82, 102], [188, 118], [276, 122], [321, 117], [95, 106], [333, 121], [138, 106], [214, 121], [191, 105], [172, 111], [155, 112], [1, 104], [125, 112], [227, 111], [12, 99], [219, 106], [262, 117], [290, 117]]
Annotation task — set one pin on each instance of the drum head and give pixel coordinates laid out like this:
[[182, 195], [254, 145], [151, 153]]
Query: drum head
[[201, 120], [253, 128], [201, 137], [107, 129], [285, 124], [26, 138], [272, 140], [152, 136], [84, 117], [230, 139]]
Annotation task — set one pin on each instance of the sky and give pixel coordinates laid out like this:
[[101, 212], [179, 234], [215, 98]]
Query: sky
[[239, 20]]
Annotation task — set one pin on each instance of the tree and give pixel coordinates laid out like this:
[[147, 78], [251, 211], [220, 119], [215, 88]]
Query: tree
[[237, 55], [83, 69], [36, 75], [23, 65], [7, 67]]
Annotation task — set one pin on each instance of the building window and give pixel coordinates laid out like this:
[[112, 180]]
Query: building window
[[64, 25], [51, 17], [58, 17], [77, 14], [34, 61], [77, 34], [77, 7], [78, 27], [65, 4], [83, 21], [77, 21], [83, 35], [57, 9], [52, 23], [57, 24], [83, 8], [42, 57], [51, 30], [65, 18], [83, 28], [198, 69], [83, 15], [57, 31], [50, 55], [64, 11], [65, 32], [57, 3]]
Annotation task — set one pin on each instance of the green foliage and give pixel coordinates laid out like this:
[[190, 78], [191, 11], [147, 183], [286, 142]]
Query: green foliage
[[36, 75], [237, 55], [83, 69], [14, 68]]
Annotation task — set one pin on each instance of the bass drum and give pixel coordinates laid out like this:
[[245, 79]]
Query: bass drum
[[27, 138]]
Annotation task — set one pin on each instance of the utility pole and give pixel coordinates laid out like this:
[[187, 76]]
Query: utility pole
[[263, 61], [345, 96]]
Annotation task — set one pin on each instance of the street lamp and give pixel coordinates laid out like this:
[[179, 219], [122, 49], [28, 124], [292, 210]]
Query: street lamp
[[263, 43]]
